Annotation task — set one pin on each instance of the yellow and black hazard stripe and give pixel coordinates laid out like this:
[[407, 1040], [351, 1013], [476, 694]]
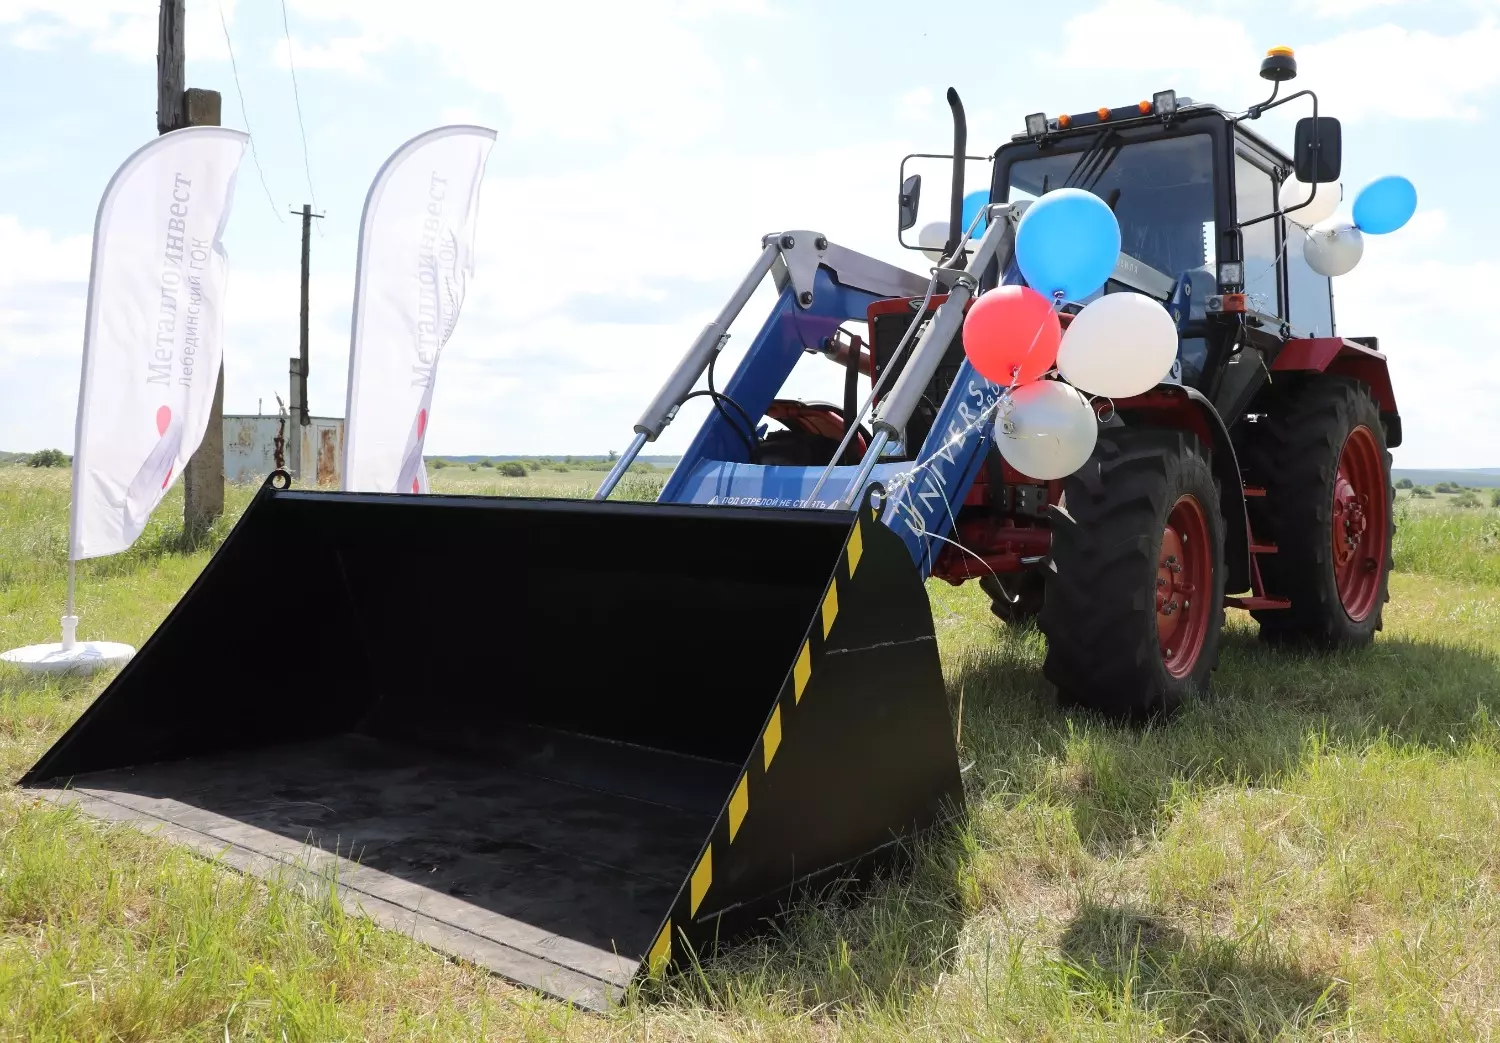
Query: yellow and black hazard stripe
[[780, 721]]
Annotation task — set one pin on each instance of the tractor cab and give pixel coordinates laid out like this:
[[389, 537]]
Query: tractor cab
[[1199, 199]]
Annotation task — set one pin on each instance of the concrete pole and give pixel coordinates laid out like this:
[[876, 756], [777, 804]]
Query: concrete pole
[[300, 414]]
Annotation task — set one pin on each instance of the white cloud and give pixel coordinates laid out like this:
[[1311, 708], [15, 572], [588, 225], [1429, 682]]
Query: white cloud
[[1347, 8], [592, 282], [1445, 380], [345, 54], [916, 107], [127, 28], [1212, 57], [606, 70], [1354, 8], [43, 282], [1441, 77], [31, 257], [1152, 36]]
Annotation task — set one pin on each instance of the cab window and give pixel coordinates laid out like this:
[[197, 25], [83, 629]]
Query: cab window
[[1255, 196]]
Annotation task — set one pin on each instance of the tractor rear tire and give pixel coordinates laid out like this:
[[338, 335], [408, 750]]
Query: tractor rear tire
[[1328, 508], [1134, 609], [1027, 588]]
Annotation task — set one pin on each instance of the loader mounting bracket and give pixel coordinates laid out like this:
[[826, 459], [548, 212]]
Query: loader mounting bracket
[[801, 253]]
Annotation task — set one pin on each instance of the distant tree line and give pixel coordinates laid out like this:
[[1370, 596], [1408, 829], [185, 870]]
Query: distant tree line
[[49, 458], [521, 467]]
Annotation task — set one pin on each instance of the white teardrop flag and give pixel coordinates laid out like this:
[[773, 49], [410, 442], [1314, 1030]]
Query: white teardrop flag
[[152, 346], [416, 256], [152, 339]]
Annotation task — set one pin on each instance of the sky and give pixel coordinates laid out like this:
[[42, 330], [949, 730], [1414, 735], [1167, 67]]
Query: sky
[[643, 148]]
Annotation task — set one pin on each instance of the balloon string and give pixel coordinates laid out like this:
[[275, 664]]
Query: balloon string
[[904, 479], [1257, 298]]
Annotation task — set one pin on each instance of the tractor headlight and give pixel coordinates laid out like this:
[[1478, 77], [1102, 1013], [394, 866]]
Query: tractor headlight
[[1164, 103], [1036, 124], [1231, 273]]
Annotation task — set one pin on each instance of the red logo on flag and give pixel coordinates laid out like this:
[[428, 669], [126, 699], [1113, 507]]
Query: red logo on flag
[[163, 419]]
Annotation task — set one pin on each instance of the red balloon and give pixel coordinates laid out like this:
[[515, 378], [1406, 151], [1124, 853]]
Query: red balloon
[[1011, 334]]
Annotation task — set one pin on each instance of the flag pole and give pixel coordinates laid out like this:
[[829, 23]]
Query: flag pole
[[69, 620]]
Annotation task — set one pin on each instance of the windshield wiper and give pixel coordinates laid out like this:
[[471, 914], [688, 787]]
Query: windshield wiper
[[1094, 161]]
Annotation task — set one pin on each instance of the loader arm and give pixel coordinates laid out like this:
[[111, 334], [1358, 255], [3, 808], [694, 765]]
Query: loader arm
[[923, 488]]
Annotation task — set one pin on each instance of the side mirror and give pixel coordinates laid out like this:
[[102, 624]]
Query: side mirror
[[911, 194], [1320, 164]]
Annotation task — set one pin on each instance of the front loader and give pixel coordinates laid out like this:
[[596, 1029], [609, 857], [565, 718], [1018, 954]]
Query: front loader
[[576, 810]]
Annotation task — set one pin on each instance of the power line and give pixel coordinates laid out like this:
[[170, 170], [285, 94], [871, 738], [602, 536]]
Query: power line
[[297, 96], [240, 94]]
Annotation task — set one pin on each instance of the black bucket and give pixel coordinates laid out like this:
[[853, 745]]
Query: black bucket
[[567, 740]]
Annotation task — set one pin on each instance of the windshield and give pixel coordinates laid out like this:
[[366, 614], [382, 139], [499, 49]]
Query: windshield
[[1163, 194]]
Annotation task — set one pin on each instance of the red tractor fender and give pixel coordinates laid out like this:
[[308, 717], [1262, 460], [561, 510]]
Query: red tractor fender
[[1349, 357], [1187, 409]]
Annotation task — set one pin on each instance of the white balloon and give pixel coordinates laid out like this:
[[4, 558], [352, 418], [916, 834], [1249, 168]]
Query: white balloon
[[1295, 193], [1046, 430], [1120, 345], [932, 238], [1333, 248]]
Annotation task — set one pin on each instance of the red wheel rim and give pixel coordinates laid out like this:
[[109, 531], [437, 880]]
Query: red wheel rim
[[1359, 523], [1183, 586]]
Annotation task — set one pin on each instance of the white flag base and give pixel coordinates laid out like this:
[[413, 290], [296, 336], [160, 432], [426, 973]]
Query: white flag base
[[70, 656]]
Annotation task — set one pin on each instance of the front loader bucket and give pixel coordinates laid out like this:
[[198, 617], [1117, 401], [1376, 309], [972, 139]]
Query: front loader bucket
[[570, 741]]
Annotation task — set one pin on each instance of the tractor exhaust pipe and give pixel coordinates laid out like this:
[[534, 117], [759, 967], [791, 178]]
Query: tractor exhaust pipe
[[960, 152]]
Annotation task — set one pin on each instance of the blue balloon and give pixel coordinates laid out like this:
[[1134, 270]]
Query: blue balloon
[[1068, 243], [973, 203], [1384, 205]]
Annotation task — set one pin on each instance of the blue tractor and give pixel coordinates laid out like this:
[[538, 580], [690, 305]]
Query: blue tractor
[[580, 742]]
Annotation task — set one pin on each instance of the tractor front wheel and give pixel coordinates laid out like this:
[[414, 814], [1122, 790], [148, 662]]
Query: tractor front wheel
[[1328, 509], [1133, 612]]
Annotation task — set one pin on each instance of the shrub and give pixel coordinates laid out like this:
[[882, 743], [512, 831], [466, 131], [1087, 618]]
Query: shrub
[[486, 463], [1447, 487], [1421, 492], [439, 464], [1404, 483], [513, 469], [561, 468], [1465, 499], [1495, 498], [48, 458], [473, 467], [534, 465]]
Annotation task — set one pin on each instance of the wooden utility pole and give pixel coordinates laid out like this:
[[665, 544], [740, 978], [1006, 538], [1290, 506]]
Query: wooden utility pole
[[170, 72], [301, 415], [178, 107]]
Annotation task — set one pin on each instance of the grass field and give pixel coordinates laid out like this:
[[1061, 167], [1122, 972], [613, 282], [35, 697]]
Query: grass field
[[1310, 853]]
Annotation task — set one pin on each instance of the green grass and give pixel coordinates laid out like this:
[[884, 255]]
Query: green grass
[[1312, 852], [1441, 539], [476, 480]]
